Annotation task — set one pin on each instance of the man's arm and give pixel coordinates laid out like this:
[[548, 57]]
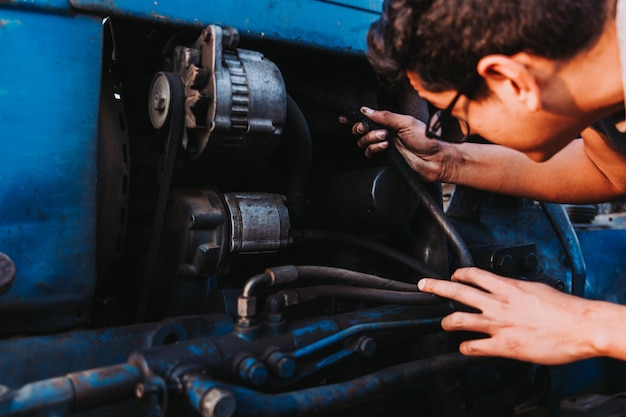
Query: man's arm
[[586, 170]]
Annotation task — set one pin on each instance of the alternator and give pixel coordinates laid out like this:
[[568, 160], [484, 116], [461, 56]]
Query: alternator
[[236, 100]]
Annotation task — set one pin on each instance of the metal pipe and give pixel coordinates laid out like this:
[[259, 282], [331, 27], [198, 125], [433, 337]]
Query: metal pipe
[[314, 401], [253, 282], [569, 240], [365, 327], [76, 391]]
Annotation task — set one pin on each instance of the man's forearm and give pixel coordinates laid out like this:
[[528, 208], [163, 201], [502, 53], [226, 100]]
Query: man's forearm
[[568, 177]]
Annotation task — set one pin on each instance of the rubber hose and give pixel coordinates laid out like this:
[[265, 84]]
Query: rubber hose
[[317, 236], [462, 252]]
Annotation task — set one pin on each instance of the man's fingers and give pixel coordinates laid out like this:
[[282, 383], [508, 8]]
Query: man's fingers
[[386, 118], [478, 347], [375, 148], [373, 137], [460, 292], [359, 129], [480, 278], [462, 321]]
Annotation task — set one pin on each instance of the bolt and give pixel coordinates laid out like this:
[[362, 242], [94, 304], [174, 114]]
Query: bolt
[[367, 346], [529, 262], [504, 263], [559, 285], [230, 38], [218, 402], [158, 101], [252, 371]]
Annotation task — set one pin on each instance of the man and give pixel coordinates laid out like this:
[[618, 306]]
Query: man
[[543, 81]]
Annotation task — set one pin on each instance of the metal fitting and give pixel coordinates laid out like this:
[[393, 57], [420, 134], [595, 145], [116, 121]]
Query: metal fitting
[[252, 371], [291, 298], [282, 274], [218, 402], [281, 365], [366, 346], [246, 306]]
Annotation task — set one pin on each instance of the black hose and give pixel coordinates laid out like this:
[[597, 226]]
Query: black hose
[[458, 244], [333, 397], [318, 236], [301, 158], [354, 277], [375, 295]]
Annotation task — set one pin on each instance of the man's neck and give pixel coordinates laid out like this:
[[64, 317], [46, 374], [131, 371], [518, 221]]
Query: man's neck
[[595, 76]]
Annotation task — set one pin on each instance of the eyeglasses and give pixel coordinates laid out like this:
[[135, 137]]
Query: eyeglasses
[[457, 130]]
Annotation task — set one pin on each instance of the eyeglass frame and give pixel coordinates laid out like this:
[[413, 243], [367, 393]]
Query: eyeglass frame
[[432, 128]]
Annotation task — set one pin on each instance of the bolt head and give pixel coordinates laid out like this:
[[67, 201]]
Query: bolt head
[[159, 101]]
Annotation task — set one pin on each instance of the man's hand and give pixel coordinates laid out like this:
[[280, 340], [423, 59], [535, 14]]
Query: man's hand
[[524, 320], [425, 156]]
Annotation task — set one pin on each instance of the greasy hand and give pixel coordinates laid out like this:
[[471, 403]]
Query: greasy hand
[[524, 320], [425, 156]]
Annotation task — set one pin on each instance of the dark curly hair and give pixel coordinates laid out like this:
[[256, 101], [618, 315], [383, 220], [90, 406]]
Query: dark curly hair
[[443, 40]]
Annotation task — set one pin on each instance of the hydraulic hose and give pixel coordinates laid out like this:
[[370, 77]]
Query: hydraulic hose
[[297, 129], [369, 287], [458, 244], [322, 399], [353, 277], [286, 298], [319, 236], [291, 273]]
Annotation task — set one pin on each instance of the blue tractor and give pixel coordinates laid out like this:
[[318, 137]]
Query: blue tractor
[[186, 227]]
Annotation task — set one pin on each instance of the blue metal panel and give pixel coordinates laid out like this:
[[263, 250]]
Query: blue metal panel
[[42, 5], [49, 90], [338, 25], [604, 251]]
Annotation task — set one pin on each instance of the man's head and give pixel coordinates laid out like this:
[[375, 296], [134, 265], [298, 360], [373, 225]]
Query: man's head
[[532, 62], [442, 41]]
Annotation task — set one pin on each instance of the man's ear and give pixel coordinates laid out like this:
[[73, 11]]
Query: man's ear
[[509, 78]]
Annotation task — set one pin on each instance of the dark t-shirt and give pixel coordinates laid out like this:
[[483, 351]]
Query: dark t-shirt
[[607, 127]]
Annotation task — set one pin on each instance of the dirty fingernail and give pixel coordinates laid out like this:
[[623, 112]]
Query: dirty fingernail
[[366, 110]]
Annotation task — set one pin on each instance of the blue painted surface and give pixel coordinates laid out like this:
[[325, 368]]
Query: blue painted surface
[[49, 88], [40, 5], [604, 251], [337, 25]]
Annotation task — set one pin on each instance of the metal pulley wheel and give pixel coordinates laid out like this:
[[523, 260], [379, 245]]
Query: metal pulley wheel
[[159, 100]]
